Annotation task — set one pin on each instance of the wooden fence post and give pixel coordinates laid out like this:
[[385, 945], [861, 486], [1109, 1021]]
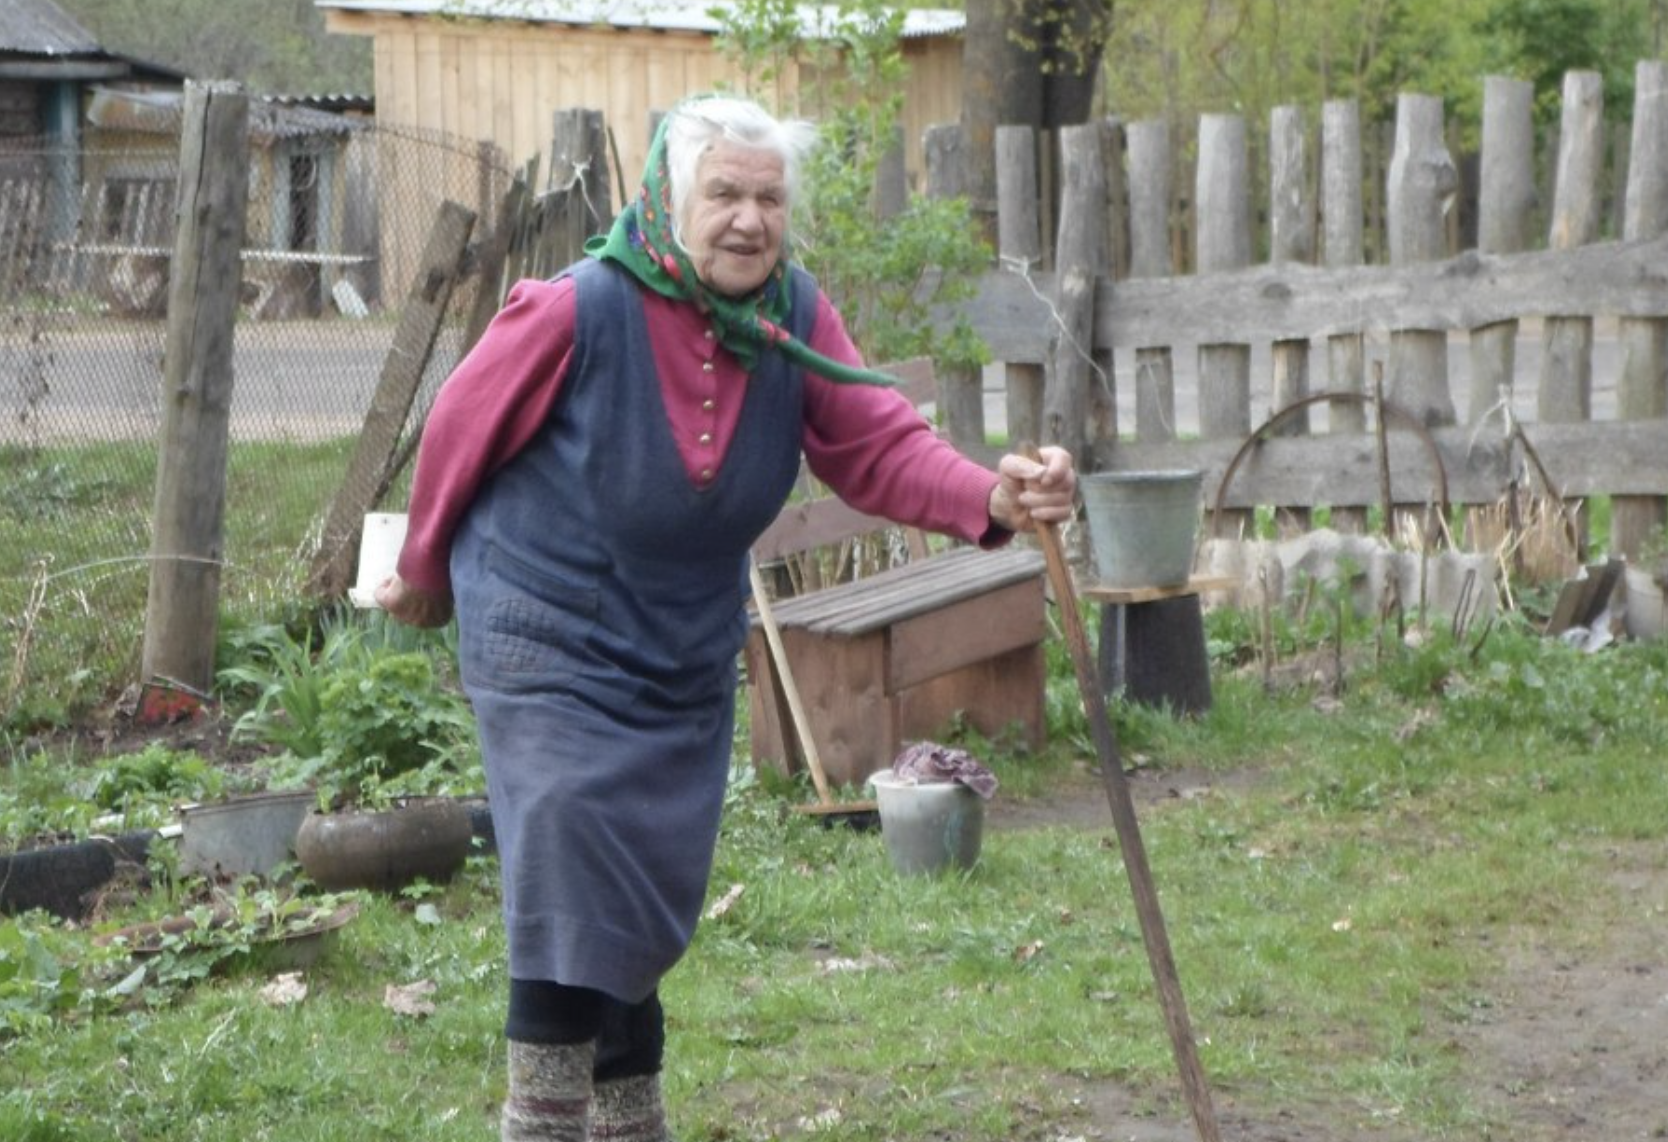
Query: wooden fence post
[[1080, 258], [1566, 376], [961, 395], [1505, 207], [1421, 181], [1114, 264], [944, 148], [1565, 390], [1642, 388], [188, 520], [1291, 211], [402, 373], [1151, 196], [1342, 246], [1505, 202], [578, 173], [494, 257], [1116, 142], [1019, 250], [892, 179], [1223, 193]]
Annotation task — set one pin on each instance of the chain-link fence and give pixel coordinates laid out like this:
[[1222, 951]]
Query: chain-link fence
[[338, 214]]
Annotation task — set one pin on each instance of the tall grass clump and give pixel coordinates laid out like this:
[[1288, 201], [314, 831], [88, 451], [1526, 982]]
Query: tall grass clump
[[362, 710]]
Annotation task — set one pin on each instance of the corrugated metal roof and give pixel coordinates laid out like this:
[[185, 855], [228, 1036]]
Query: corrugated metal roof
[[332, 101], [816, 20], [40, 27], [162, 112]]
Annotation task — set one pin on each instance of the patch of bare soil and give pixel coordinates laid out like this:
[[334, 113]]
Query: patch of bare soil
[[1567, 1045], [1080, 799], [116, 730], [1576, 1041]]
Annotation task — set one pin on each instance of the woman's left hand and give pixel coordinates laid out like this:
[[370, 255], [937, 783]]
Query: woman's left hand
[[1031, 490]]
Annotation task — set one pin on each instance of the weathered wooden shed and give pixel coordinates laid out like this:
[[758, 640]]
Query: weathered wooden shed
[[498, 69], [305, 229], [49, 65]]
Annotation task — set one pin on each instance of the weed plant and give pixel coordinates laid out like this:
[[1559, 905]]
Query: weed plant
[[368, 713], [48, 797]]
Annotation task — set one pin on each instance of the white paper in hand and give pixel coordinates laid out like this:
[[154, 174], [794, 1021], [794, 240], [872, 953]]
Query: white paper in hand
[[379, 550]]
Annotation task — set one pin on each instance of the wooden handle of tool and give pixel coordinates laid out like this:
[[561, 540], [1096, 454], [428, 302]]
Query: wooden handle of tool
[[779, 656], [1134, 851]]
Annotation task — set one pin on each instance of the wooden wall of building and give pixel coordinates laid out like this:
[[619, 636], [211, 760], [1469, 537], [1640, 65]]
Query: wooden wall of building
[[20, 109], [502, 80], [933, 96]]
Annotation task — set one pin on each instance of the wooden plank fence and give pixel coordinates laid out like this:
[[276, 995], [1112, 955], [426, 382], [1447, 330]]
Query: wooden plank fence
[[1055, 322], [1344, 269]]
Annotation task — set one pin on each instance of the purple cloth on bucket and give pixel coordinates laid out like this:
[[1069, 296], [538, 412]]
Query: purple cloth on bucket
[[927, 762]]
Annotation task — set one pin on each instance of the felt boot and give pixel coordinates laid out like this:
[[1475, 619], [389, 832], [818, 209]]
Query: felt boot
[[550, 1092], [629, 1110]]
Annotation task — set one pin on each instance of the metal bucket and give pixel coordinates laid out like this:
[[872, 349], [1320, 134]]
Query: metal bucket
[[1143, 525], [929, 827], [244, 836]]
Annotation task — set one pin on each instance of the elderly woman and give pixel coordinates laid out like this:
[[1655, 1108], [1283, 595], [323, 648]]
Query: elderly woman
[[588, 485]]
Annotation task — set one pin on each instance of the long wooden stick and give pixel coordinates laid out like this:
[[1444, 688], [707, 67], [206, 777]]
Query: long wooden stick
[[1129, 843], [784, 675]]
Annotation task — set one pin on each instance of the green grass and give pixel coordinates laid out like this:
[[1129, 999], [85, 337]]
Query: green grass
[[75, 570], [1335, 918], [1340, 903]]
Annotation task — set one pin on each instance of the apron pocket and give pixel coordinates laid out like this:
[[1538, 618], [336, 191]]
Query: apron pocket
[[525, 642]]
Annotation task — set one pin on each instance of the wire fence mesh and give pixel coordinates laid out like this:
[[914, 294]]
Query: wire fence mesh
[[338, 214]]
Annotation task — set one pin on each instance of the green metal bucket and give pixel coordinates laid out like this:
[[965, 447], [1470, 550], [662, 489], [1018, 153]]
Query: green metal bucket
[[1143, 525]]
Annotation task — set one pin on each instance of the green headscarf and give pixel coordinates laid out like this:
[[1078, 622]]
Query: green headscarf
[[641, 243]]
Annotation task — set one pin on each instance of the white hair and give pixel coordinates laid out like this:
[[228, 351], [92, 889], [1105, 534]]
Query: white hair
[[694, 127]]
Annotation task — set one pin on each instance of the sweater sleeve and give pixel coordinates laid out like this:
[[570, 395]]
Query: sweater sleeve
[[879, 454], [485, 413]]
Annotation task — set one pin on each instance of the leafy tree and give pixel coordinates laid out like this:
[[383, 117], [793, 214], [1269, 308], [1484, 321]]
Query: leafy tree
[[1434, 47], [1178, 58], [1540, 40], [883, 273], [1030, 63], [273, 46]]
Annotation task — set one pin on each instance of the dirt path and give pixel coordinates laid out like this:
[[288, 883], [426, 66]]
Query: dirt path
[[1570, 1046]]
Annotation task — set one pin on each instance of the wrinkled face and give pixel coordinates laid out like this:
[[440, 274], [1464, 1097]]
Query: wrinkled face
[[735, 218]]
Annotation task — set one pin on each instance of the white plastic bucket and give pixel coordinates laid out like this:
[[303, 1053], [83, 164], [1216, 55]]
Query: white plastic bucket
[[1646, 616], [929, 827], [379, 550]]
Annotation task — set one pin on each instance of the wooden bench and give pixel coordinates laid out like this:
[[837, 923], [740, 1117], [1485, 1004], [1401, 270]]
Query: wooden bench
[[896, 656]]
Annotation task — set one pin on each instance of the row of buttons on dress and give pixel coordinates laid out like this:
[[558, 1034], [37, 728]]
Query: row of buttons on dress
[[708, 406]]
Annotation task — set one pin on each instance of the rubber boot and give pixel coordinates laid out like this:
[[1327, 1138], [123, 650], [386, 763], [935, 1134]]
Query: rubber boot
[[629, 1110], [549, 1099]]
